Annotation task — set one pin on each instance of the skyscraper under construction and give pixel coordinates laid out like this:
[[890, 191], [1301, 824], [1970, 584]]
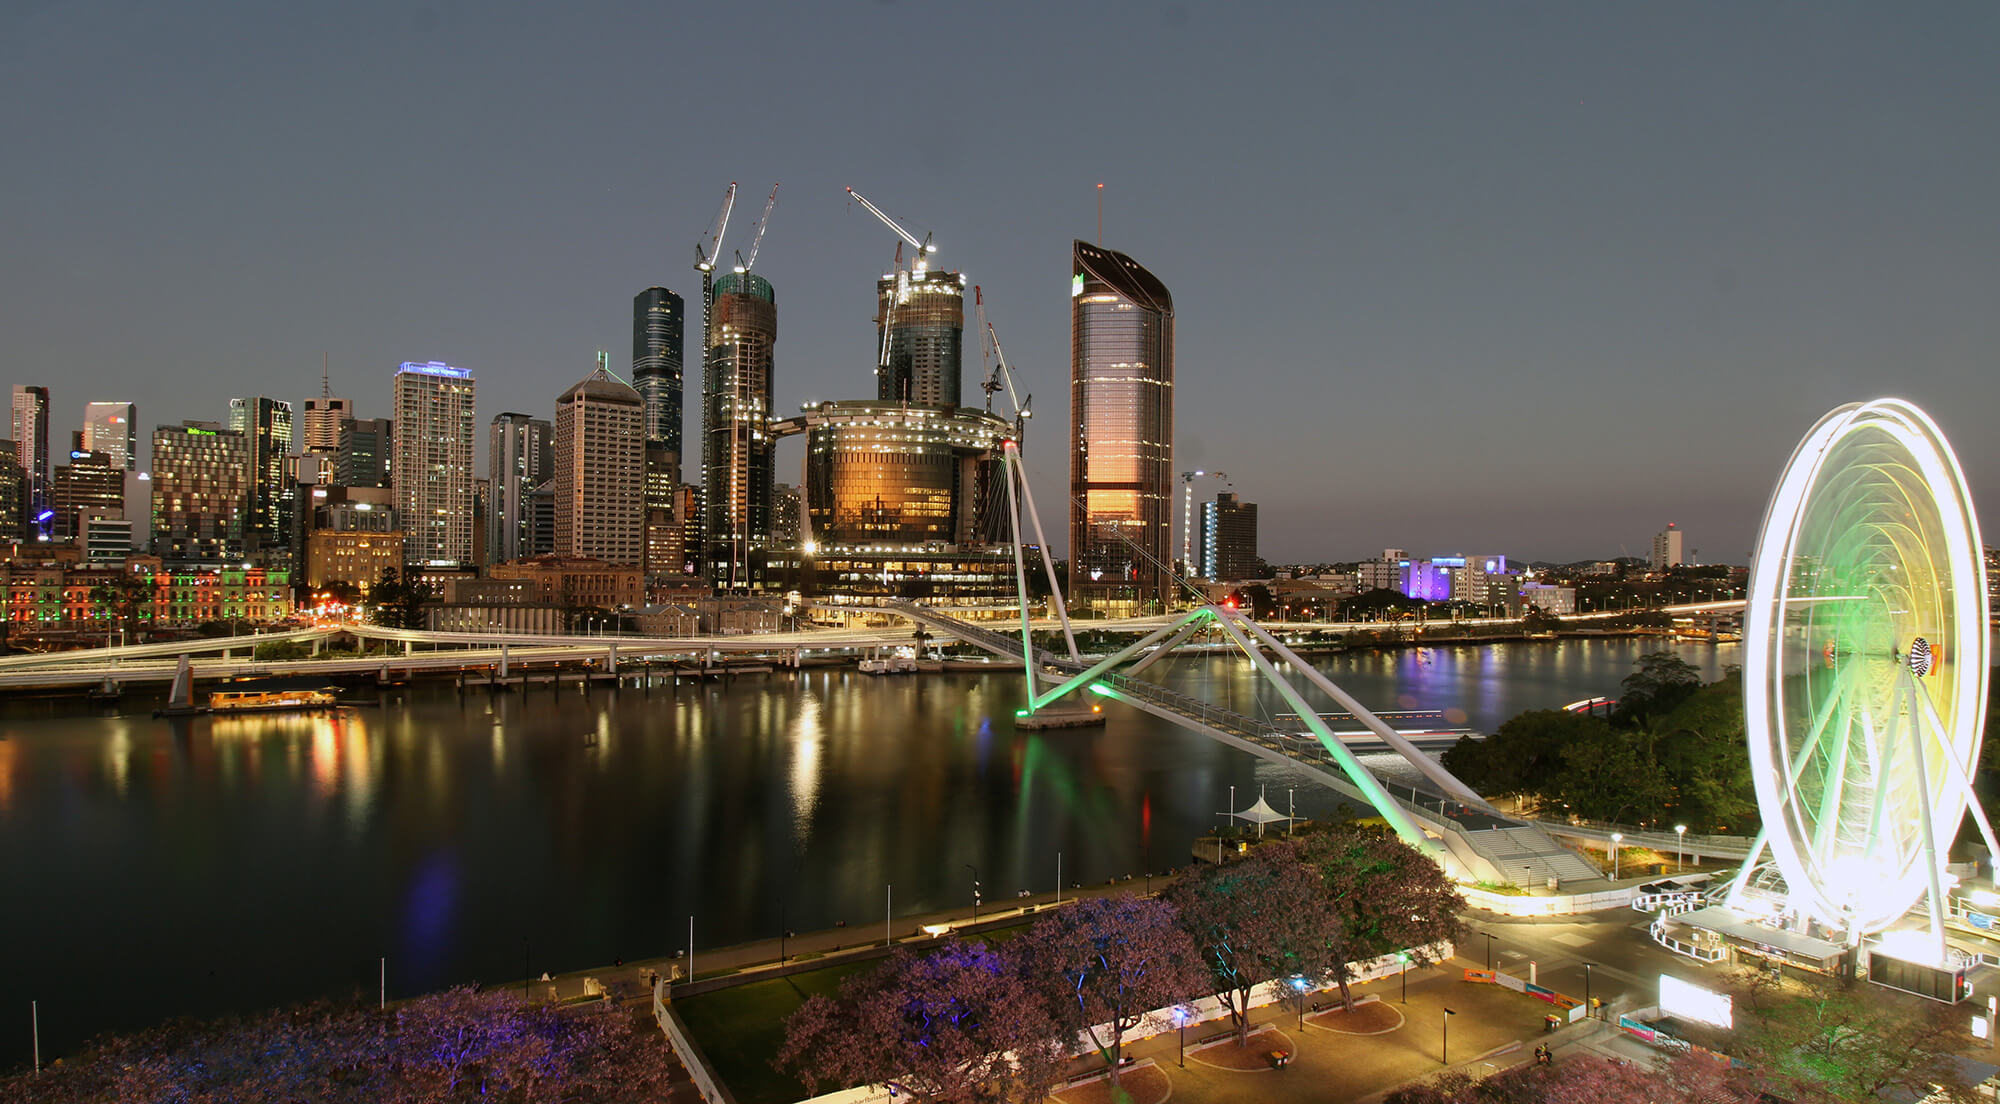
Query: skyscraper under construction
[[736, 446], [920, 325], [1121, 433]]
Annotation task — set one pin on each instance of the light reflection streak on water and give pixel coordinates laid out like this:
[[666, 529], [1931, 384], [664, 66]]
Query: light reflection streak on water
[[117, 759], [357, 770], [808, 740], [10, 764]]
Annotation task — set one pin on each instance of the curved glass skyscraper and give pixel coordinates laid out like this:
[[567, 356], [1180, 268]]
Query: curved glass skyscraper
[[1121, 433], [659, 318]]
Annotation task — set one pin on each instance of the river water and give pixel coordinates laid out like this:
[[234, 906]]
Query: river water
[[153, 868]]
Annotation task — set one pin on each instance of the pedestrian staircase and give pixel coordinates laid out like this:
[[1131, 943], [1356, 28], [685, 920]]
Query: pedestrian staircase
[[1527, 855]]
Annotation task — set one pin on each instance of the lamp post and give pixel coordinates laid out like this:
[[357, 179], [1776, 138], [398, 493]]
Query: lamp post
[[1404, 973], [1680, 852], [1444, 1048], [975, 891], [1489, 950], [1180, 1028], [1586, 987], [1616, 839]]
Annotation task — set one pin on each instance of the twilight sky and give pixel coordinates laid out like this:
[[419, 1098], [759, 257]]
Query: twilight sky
[[1448, 277]]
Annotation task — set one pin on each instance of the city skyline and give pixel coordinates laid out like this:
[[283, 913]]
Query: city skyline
[[1514, 280]]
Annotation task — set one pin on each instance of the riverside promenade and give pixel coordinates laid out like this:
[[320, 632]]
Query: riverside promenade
[[1400, 1036]]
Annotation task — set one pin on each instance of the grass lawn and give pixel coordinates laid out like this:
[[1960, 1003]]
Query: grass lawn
[[742, 1028]]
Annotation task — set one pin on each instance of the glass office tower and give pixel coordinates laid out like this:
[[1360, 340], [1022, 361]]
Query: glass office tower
[[1121, 433]]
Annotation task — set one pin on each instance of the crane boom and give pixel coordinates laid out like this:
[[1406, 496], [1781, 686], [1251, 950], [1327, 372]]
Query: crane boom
[[757, 241], [921, 247], [710, 246]]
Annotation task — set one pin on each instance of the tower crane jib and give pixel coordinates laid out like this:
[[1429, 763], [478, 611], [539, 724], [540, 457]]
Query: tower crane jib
[[922, 247], [710, 246], [757, 240]]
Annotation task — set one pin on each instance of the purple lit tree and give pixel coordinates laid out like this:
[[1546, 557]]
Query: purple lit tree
[[460, 1044], [946, 1026], [1103, 964]]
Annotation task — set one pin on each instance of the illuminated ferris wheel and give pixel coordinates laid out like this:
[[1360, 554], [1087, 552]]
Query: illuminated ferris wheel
[[1865, 666]]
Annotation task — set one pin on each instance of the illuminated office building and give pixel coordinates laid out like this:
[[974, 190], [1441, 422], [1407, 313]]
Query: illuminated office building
[[30, 427], [1121, 433], [202, 482], [267, 426], [112, 429], [1227, 548]]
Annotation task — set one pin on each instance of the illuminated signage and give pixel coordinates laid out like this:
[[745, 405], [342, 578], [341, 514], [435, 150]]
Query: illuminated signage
[[436, 368], [1076, 285], [1692, 1002]]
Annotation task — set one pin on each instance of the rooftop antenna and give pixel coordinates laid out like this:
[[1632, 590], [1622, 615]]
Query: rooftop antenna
[[325, 386], [1100, 213]]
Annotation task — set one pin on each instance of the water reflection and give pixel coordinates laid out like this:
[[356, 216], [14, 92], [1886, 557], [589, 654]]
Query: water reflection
[[275, 857]]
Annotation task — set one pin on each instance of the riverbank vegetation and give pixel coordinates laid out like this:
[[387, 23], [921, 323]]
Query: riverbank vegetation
[[1671, 752]]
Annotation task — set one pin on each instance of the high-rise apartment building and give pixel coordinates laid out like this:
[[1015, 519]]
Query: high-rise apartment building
[[600, 475], [1121, 432], [659, 320], [1667, 548], [267, 425], [520, 456], [30, 424], [431, 462], [920, 328], [736, 448], [201, 493], [112, 428], [1228, 548]]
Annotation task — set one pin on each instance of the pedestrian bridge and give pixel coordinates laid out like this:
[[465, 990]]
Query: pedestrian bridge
[[1470, 838]]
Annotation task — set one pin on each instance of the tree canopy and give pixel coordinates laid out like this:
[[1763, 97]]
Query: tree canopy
[[946, 1026], [1672, 752], [1105, 963]]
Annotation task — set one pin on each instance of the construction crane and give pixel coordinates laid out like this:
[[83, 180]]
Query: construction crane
[[1002, 376], [757, 240], [918, 266], [924, 248], [1187, 513], [710, 245]]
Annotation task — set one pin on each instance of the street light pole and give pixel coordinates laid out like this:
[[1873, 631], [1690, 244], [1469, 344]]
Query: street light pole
[[1489, 950], [1616, 839], [1586, 987], [975, 891], [1444, 1048], [1680, 850]]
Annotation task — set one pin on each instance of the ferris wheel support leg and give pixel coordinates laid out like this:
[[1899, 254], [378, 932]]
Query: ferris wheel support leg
[[1933, 857], [1961, 777], [1735, 897]]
